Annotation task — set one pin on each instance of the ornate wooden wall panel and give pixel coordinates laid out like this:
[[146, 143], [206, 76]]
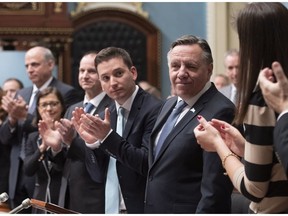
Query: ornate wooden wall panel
[[27, 24], [97, 29]]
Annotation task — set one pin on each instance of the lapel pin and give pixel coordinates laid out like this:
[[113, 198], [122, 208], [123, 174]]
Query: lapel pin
[[193, 110]]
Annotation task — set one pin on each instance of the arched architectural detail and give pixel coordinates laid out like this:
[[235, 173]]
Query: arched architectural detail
[[102, 27]]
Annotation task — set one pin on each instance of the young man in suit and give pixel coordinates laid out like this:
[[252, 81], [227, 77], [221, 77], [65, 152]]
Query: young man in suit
[[117, 76], [39, 63], [81, 193]]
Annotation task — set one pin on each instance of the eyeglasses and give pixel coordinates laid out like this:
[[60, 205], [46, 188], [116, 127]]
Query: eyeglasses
[[52, 104]]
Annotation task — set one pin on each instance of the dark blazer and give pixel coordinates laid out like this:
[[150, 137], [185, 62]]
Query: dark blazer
[[281, 141], [14, 138], [82, 194], [4, 167], [132, 178], [46, 169], [184, 178]]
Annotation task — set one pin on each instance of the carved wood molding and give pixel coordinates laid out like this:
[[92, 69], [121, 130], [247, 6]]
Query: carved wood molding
[[35, 31]]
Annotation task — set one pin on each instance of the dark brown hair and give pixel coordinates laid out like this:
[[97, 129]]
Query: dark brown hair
[[191, 40], [113, 52], [44, 93], [263, 33]]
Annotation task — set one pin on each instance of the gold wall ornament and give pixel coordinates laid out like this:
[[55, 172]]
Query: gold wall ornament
[[21, 8], [14, 6], [58, 7], [35, 31], [135, 7]]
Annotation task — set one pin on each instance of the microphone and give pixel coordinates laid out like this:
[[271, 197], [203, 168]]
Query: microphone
[[3, 197], [25, 204]]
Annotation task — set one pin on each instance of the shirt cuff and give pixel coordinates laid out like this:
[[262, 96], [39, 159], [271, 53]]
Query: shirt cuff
[[98, 142], [282, 113]]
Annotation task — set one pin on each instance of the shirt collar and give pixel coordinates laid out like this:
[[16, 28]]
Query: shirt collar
[[96, 100], [192, 101], [45, 85], [128, 103]]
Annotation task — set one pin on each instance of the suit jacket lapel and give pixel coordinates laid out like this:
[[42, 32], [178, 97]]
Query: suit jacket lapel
[[135, 108], [26, 96], [105, 102], [187, 118], [166, 110], [113, 117]]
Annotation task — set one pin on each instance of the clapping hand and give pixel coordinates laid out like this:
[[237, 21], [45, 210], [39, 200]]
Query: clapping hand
[[212, 135], [274, 86]]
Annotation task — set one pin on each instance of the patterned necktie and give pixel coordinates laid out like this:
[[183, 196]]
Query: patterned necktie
[[88, 107], [34, 98], [170, 123], [112, 191]]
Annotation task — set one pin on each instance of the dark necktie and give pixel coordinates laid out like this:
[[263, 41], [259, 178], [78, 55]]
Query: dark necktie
[[169, 125], [88, 107]]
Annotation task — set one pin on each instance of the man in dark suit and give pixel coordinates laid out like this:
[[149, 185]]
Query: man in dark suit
[[81, 193], [182, 178], [9, 87], [39, 62], [118, 75], [274, 87]]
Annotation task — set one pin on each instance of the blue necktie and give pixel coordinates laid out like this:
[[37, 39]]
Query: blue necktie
[[88, 107], [112, 190], [169, 125]]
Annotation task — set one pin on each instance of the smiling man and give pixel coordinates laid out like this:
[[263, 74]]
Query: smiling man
[[182, 178]]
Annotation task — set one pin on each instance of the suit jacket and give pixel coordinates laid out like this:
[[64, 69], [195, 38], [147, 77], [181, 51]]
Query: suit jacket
[[47, 171], [14, 138], [83, 194], [4, 167], [131, 151], [281, 140], [184, 178]]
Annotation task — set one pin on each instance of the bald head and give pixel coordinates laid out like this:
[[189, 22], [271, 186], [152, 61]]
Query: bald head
[[39, 63]]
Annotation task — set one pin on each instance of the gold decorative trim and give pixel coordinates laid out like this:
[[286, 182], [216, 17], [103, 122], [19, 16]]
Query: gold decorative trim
[[40, 31], [135, 7], [22, 8], [58, 7]]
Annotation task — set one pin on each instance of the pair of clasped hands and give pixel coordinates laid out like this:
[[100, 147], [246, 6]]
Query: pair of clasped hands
[[215, 133], [90, 128]]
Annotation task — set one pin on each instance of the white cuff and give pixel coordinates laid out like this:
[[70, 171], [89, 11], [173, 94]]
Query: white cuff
[[98, 142]]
